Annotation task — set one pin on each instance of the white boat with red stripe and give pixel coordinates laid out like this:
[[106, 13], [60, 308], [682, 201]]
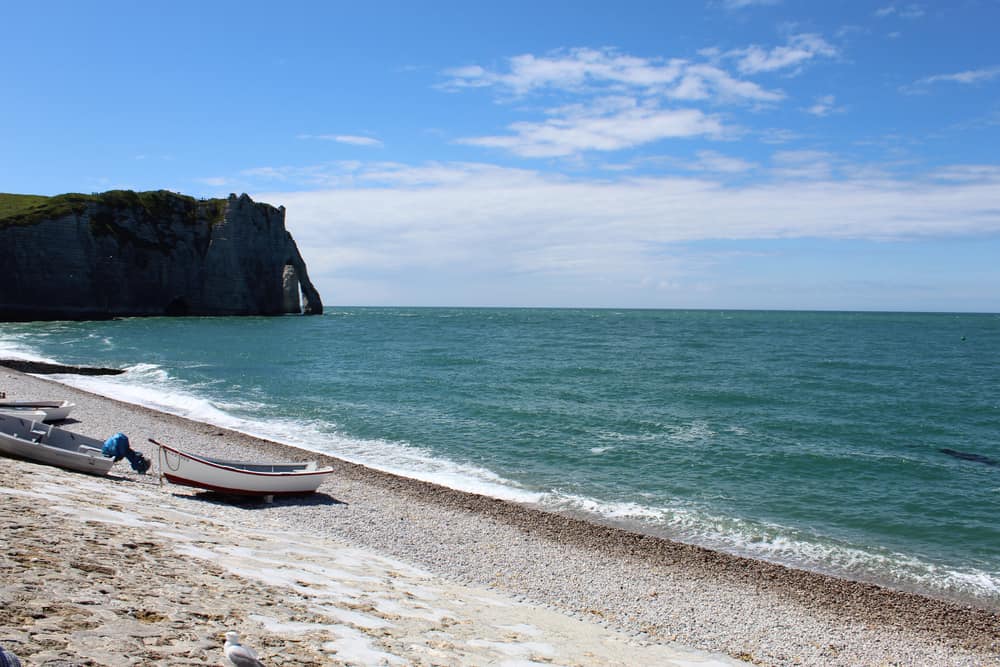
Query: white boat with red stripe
[[239, 477]]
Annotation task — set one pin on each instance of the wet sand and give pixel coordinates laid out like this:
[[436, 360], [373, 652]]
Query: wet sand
[[574, 592]]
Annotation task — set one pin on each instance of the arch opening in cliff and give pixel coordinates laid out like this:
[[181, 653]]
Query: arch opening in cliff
[[311, 302]]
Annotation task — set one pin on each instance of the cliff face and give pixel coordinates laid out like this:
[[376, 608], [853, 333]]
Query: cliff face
[[153, 253]]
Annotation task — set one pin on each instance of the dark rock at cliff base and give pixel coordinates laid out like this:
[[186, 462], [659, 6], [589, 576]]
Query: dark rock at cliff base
[[124, 253], [44, 368]]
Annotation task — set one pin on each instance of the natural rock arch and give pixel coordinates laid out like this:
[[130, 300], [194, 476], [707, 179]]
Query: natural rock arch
[[299, 276]]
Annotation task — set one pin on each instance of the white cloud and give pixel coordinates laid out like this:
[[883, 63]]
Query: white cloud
[[624, 101], [708, 81], [712, 161], [911, 11], [622, 124], [606, 71], [824, 106], [742, 4], [574, 69], [326, 175], [354, 140], [351, 139], [802, 164], [800, 49], [970, 172], [778, 136], [215, 181], [966, 77], [470, 223]]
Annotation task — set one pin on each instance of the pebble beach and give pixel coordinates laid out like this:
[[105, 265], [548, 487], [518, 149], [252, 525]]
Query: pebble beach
[[376, 569]]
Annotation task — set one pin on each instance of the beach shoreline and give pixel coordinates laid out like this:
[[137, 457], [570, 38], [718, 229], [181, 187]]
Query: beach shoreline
[[651, 589]]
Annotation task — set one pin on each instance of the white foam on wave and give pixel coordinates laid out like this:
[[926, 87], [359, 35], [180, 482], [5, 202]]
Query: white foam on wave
[[151, 386], [693, 432], [400, 459], [787, 546], [13, 347]]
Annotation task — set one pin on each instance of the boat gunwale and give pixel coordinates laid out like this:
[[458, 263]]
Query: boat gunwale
[[20, 446], [234, 466], [18, 404]]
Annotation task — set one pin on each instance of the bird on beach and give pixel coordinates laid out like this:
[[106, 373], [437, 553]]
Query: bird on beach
[[8, 659], [238, 654]]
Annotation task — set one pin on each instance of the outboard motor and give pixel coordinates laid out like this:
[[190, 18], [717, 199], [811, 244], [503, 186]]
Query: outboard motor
[[117, 447]]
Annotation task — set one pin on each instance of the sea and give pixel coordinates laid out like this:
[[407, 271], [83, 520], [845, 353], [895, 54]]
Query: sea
[[863, 445]]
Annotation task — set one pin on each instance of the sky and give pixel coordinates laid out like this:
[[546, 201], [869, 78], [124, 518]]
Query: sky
[[771, 154]]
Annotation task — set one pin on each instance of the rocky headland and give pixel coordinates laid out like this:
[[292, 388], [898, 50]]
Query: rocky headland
[[124, 253]]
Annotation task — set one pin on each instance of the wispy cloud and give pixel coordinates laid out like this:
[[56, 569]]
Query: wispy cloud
[[802, 164], [714, 162], [776, 135], [709, 82], [350, 139], [604, 71], [824, 106], [967, 78], [799, 50], [909, 11], [970, 173], [324, 175], [573, 69], [607, 126], [215, 181], [743, 4]]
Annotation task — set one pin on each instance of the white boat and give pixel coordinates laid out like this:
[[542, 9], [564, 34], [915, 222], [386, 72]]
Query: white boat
[[239, 477], [30, 415], [54, 410], [35, 441]]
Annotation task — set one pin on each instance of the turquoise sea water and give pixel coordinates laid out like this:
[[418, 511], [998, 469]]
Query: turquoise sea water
[[809, 439]]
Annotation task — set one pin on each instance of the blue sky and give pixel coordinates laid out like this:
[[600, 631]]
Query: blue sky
[[718, 154]]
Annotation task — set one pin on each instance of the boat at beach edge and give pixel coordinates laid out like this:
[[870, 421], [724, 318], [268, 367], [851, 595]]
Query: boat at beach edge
[[42, 443], [241, 478]]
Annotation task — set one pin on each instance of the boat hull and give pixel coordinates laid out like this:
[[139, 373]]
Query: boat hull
[[239, 478], [34, 441], [54, 411]]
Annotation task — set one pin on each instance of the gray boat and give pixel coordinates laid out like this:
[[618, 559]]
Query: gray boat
[[43, 443]]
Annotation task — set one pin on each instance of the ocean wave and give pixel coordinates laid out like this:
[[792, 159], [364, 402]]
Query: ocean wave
[[397, 458], [14, 347], [153, 387]]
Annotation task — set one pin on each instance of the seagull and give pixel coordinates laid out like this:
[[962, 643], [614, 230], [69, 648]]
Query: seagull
[[8, 659], [238, 654]]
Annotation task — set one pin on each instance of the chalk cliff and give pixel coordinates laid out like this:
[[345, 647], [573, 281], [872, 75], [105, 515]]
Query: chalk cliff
[[124, 253]]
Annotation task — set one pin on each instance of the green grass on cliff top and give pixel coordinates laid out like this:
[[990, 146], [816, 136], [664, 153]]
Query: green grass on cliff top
[[29, 209]]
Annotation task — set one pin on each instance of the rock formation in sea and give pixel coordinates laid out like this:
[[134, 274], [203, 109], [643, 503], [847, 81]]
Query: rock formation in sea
[[124, 253]]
